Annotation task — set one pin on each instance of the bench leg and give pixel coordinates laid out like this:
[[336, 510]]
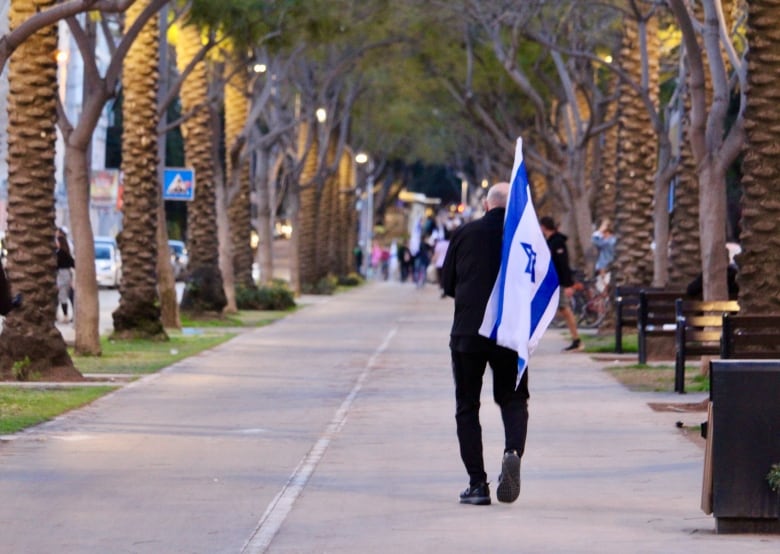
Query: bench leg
[[679, 360], [679, 374]]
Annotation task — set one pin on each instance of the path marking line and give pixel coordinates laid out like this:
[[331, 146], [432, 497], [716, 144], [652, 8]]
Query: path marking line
[[282, 504]]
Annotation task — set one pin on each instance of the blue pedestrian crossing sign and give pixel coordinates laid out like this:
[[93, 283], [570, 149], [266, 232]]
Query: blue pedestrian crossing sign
[[179, 183]]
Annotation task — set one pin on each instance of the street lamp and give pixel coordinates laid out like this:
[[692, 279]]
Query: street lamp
[[321, 114], [368, 218]]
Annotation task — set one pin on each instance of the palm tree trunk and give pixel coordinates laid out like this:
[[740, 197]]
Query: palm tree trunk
[[636, 163], [204, 291], [758, 278], [138, 314], [306, 228], [239, 209], [684, 245], [31, 346], [607, 183], [326, 219], [344, 215]]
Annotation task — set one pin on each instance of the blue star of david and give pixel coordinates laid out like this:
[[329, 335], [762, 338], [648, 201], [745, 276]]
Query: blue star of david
[[531, 267]]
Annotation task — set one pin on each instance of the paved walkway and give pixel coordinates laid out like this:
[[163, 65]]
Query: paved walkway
[[333, 431]]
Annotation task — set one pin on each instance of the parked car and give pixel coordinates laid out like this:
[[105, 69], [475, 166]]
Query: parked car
[[108, 262], [179, 259]]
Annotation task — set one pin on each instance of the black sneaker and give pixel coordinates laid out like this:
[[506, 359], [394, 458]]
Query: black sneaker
[[509, 481], [575, 346], [479, 495]]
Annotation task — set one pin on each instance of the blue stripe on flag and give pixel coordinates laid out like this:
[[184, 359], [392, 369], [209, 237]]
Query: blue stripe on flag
[[517, 201], [542, 297], [525, 295]]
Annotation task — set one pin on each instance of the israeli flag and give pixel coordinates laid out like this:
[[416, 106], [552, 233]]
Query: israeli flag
[[525, 297]]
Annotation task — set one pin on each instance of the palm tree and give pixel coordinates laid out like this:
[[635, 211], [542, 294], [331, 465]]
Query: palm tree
[[138, 314], [759, 281], [605, 197], [326, 218], [204, 292], [239, 209], [30, 343], [636, 161], [684, 250], [305, 217], [347, 231]]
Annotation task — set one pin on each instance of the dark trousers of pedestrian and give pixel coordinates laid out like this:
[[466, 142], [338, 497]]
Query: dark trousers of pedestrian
[[468, 369]]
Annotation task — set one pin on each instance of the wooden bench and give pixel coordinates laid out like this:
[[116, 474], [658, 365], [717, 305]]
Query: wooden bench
[[626, 309], [698, 329], [655, 317], [750, 337]]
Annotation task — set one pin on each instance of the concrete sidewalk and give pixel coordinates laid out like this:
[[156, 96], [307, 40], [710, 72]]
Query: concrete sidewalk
[[333, 431]]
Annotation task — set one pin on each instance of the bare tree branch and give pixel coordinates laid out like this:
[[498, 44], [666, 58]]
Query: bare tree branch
[[50, 16]]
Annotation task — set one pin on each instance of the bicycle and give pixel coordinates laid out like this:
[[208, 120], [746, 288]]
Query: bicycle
[[590, 303], [595, 304]]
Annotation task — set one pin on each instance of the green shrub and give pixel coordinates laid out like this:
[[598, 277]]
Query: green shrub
[[273, 297], [774, 477], [326, 285], [351, 280]]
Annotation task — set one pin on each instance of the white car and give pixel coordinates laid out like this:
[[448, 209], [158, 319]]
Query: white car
[[108, 262], [179, 259]]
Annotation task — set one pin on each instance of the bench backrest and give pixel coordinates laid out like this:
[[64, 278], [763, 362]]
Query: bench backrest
[[627, 299], [655, 317], [626, 310], [698, 332], [657, 308], [703, 320], [751, 336]]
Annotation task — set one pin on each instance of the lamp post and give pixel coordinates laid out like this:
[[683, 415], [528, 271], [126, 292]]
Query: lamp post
[[368, 218]]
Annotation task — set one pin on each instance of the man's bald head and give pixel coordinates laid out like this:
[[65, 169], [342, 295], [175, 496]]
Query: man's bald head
[[497, 196]]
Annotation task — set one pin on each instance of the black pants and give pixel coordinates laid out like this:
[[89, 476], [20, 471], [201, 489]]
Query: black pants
[[468, 368]]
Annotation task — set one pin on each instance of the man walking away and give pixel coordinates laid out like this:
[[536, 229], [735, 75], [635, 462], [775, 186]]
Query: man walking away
[[470, 269], [560, 257]]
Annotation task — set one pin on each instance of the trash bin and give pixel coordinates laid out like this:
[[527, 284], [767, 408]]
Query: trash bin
[[744, 430]]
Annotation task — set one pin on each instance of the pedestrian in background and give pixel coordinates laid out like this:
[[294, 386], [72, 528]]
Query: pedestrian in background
[[357, 253], [604, 241], [560, 258], [469, 273], [439, 253], [405, 262], [7, 301], [65, 266]]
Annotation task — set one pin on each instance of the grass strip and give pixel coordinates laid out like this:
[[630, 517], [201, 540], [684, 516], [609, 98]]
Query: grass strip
[[657, 378], [140, 357], [243, 318], [606, 343], [22, 407]]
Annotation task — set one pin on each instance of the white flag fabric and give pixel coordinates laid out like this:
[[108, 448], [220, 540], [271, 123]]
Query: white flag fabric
[[525, 296]]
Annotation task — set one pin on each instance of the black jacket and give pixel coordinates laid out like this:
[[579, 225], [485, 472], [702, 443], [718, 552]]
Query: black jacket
[[560, 258], [6, 302], [468, 275]]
